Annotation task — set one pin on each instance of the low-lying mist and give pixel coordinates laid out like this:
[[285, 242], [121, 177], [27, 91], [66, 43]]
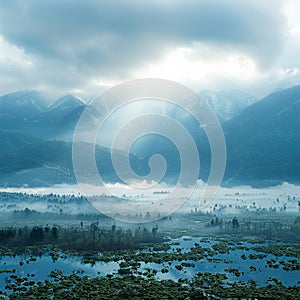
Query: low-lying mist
[[227, 200]]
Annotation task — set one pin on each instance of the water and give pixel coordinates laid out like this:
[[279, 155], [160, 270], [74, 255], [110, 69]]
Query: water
[[40, 269], [260, 276]]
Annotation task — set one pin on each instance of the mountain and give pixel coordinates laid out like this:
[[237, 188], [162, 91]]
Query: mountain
[[263, 142], [13, 141], [21, 110], [35, 162], [227, 104], [66, 109], [60, 119], [29, 112], [67, 103], [23, 103]]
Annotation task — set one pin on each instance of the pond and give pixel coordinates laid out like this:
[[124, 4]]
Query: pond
[[239, 263]]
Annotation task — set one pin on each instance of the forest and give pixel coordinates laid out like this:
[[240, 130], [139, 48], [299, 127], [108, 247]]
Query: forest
[[79, 238]]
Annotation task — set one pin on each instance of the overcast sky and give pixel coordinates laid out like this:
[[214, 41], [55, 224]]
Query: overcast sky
[[84, 47]]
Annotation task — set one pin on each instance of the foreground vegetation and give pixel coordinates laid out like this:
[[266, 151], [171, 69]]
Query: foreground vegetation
[[201, 286], [134, 247], [132, 281]]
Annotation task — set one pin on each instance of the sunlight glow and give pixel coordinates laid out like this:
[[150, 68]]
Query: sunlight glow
[[11, 55], [188, 64]]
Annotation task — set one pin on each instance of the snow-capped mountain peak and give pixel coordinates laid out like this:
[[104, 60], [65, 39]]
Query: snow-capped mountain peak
[[25, 102], [227, 104], [67, 103]]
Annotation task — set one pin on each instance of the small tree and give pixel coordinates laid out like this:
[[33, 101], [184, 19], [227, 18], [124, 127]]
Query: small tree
[[54, 232], [235, 223], [296, 224]]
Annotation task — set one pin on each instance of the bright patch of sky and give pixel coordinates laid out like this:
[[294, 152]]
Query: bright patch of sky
[[84, 47]]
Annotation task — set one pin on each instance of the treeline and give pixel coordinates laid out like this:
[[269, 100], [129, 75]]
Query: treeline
[[79, 238], [266, 228], [31, 214], [220, 223]]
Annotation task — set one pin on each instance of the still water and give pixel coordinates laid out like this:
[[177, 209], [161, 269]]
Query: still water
[[250, 269]]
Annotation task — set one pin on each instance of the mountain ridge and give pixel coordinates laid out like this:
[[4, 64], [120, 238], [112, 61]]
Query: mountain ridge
[[263, 144], [227, 104], [265, 139]]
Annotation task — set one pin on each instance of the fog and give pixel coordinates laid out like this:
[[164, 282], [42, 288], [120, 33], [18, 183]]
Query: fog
[[227, 200]]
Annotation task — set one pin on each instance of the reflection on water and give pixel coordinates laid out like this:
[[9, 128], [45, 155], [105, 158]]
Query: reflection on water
[[250, 269]]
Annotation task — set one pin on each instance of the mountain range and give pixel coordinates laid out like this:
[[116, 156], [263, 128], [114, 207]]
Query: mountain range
[[28, 112], [263, 142], [262, 138], [227, 104]]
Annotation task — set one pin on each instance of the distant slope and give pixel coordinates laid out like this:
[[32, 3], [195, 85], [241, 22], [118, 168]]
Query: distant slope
[[60, 119], [28, 112], [66, 109], [26, 104], [21, 110], [12, 141], [35, 162], [263, 142], [227, 104]]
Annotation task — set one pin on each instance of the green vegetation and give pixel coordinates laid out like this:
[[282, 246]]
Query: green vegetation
[[132, 248], [280, 249], [221, 247], [264, 227], [217, 286], [78, 287], [202, 286], [79, 238], [131, 281], [296, 224]]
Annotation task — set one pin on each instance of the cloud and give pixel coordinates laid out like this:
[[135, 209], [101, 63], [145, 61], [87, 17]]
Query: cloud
[[79, 45]]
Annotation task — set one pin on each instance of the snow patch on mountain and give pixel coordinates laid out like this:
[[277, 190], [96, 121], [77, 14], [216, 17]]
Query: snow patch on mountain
[[67, 103], [227, 104]]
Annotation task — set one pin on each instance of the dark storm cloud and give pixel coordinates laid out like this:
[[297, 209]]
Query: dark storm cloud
[[72, 41]]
